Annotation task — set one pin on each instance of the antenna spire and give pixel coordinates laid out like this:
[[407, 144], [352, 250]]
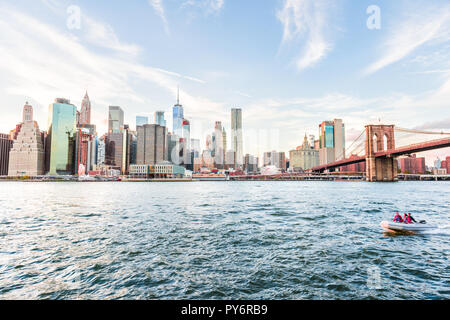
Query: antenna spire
[[178, 96]]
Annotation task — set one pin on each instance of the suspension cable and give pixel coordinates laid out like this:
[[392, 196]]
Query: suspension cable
[[420, 131]]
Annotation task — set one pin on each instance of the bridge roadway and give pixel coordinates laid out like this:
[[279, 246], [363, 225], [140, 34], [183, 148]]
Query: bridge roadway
[[413, 148]]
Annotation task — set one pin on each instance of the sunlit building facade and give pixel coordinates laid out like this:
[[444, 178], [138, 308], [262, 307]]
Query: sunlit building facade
[[331, 141], [61, 137]]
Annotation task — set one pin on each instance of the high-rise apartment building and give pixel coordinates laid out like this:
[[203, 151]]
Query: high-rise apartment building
[[115, 120], [61, 135], [236, 135]]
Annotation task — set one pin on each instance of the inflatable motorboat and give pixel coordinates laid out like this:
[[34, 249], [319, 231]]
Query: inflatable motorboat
[[407, 227]]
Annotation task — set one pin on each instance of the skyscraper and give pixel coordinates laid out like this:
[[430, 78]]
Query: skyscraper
[[141, 121], [85, 114], [178, 116], [186, 136], [217, 140], [115, 120], [159, 118], [151, 144], [236, 135], [86, 147], [61, 137], [332, 141], [5, 147]]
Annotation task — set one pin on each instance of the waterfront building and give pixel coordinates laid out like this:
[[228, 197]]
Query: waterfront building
[[85, 114], [236, 135], [178, 116], [274, 158], [5, 148], [251, 164], [331, 141], [61, 137], [161, 170], [412, 165], [27, 155], [115, 120], [151, 144], [141, 121], [304, 157], [159, 118]]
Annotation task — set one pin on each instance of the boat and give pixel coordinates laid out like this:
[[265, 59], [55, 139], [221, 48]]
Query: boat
[[407, 227]]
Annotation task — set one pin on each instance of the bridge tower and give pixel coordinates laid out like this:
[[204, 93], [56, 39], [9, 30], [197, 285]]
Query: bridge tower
[[380, 138]]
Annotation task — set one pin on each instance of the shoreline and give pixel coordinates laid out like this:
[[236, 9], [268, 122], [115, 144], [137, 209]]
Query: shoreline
[[232, 179]]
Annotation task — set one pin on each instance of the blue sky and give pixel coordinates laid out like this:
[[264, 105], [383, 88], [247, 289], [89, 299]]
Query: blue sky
[[289, 64]]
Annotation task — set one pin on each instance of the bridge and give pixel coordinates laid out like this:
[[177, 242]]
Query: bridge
[[381, 151]]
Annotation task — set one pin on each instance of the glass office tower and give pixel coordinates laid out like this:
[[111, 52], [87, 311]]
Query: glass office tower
[[62, 117], [141, 121], [115, 120], [159, 118]]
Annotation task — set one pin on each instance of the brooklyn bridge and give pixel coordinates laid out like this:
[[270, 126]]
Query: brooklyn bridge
[[377, 147]]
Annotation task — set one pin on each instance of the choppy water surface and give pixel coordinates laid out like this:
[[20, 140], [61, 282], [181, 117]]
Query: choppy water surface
[[220, 240]]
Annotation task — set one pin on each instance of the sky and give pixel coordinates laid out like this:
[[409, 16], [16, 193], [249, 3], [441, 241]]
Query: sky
[[289, 64]]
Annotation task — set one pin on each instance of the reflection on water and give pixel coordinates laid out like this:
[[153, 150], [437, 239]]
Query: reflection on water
[[218, 240]]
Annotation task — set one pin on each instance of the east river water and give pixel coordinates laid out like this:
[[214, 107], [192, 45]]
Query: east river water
[[221, 240]]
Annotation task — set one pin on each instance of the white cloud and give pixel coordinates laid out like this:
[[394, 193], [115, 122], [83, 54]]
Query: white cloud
[[41, 63], [159, 9], [209, 6], [103, 35], [428, 27], [306, 20]]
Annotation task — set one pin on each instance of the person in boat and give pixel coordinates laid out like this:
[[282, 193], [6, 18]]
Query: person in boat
[[405, 218], [410, 219], [398, 217]]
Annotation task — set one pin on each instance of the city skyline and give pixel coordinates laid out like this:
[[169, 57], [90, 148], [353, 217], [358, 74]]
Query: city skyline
[[113, 65]]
